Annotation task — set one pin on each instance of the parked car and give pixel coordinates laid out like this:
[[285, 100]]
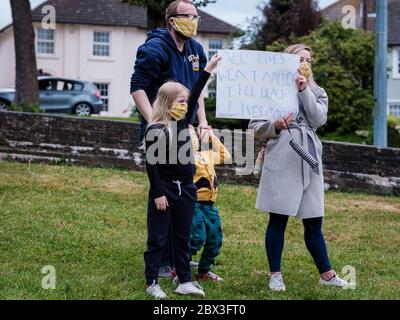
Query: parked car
[[60, 95]]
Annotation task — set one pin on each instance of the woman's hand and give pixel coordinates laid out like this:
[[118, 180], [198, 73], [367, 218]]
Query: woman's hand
[[301, 81], [212, 64], [281, 123], [161, 203]]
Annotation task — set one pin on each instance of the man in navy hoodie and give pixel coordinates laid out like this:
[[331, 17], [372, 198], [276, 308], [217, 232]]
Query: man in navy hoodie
[[169, 54]]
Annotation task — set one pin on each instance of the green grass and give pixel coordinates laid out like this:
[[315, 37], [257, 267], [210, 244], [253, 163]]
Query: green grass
[[90, 224]]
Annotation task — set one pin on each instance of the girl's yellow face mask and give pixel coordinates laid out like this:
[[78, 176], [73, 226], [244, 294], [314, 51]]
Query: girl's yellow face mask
[[185, 26], [179, 110]]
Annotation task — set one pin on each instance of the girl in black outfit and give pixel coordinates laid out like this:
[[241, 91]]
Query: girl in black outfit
[[170, 168]]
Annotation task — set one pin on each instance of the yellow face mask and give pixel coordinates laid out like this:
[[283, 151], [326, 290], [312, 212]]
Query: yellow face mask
[[186, 27], [179, 110], [305, 69]]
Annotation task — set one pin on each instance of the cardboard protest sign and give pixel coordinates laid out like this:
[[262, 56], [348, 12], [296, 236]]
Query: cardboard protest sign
[[256, 84]]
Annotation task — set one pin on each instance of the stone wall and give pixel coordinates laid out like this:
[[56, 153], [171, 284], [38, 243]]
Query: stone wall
[[61, 139]]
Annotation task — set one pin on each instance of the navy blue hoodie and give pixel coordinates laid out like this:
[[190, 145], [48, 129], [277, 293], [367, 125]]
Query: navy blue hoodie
[[159, 60]]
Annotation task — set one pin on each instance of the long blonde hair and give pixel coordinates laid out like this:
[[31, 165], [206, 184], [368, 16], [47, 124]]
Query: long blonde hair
[[166, 96], [295, 49]]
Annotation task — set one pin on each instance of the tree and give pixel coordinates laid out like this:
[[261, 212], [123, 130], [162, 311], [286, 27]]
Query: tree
[[26, 83], [283, 19], [342, 64], [156, 10]]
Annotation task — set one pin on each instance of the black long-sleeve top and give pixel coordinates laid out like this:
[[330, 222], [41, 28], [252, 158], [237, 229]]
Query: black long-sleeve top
[[158, 139]]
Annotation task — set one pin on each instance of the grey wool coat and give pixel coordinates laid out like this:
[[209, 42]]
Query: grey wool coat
[[288, 185]]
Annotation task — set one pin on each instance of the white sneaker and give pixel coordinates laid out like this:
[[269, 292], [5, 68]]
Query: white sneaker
[[335, 281], [155, 291], [194, 264], [276, 282], [192, 288]]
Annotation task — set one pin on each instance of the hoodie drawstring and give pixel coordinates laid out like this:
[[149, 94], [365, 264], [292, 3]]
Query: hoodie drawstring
[[178, 183]]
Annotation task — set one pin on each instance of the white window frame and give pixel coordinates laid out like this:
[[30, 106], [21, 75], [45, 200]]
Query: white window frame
[[213, 92], [396, 63], [108, 57], [213, 51], [103, 97], [37, 40], [391, 103]]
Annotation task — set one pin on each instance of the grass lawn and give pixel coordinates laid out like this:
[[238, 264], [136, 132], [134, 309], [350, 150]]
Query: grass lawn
[[90, 224]]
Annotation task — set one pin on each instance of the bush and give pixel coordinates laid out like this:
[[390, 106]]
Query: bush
[[394, 132], [26, 107]]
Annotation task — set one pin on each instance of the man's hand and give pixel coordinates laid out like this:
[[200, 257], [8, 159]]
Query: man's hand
[[201, 116], [143, 104], [161, 203]]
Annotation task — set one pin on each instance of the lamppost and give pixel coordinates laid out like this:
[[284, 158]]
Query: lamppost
[[380, 75]]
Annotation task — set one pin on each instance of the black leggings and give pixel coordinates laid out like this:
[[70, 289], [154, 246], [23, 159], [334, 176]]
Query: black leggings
[[314, 239]]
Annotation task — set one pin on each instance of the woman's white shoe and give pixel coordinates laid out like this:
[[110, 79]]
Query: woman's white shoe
[[276, 282], [155, 291], [335, 281], [191, 288]]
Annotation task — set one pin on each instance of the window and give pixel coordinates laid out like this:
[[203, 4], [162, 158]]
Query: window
[[371, 8], [46, 84], [396, 63], [101, 44], [45, 41], [77, 86], [213, 46], [62, 85], [103, 88], [394, 109]]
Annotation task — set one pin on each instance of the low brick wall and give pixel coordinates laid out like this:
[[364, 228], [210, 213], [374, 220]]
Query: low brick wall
[[60, 139]]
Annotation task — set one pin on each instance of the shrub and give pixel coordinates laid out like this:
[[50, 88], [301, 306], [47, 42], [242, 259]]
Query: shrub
[[26, 107]]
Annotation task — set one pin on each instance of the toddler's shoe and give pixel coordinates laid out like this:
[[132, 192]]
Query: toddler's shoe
[[164, 272], [208, 276]]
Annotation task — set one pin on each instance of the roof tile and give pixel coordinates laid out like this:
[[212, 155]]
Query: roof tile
[[116, 13]]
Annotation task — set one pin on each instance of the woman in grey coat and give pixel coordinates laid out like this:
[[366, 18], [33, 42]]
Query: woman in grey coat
[[288, 184]]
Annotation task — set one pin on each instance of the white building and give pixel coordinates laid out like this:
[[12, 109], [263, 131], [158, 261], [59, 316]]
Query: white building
[[97, 40]]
